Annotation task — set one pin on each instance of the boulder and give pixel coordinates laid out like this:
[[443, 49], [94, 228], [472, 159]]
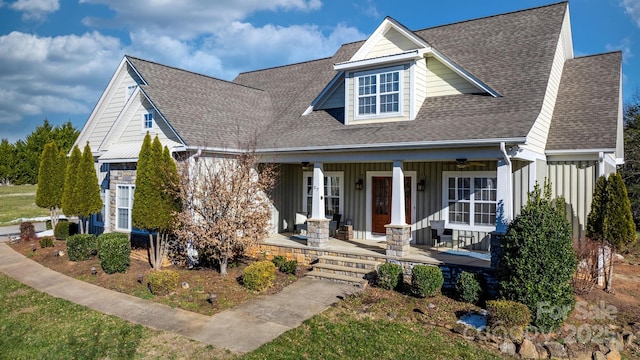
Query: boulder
[[527, 350], [542, 351], [614, 354], [598, 355], [556, 350], [508, 347]]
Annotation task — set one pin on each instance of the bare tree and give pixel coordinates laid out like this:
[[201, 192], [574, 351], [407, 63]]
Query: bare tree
[[225, 204]]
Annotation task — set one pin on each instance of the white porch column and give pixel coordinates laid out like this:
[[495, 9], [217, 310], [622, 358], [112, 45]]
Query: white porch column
[[504, 196], [317, 204], [397, 195]]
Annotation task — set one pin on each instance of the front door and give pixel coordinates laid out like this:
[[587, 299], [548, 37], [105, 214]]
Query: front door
[[381, 196]]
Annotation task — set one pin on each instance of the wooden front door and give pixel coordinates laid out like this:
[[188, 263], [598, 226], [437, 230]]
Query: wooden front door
[[381, 202]]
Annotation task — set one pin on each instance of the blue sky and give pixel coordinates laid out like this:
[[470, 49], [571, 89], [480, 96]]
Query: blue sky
[[56, 57]]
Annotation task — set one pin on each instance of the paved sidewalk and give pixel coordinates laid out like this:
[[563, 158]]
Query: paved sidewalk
[[241, 329]]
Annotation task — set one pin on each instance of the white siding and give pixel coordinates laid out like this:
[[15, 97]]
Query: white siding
[[537, 137], [391, 43], [420, 85], [441, 81]]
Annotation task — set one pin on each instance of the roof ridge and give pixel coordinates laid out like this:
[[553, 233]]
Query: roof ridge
[[189, 71], [598, 54], [292, 64]]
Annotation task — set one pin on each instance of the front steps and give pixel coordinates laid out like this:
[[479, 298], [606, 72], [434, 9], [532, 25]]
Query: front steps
[[344, 269]]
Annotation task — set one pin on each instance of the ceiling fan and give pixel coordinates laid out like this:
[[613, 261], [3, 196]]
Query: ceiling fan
[[463, 163]]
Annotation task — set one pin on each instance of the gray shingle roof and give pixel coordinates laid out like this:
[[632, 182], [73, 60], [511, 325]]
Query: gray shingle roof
[[586, 113], [511, 53], [205, 111]]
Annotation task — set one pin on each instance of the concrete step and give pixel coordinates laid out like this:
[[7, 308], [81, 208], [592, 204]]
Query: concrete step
[[355, 272], [370, 265], [357, 282]]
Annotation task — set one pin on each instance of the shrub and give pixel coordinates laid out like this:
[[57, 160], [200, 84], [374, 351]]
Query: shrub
[[538, 261], [81, 246], [46, 242], [468, 288], [389, 276], [512, 315], [278, 261], [163, 282], [289, 267], [64, 229], [259, 275], [426, 280], [114, 250], [27, 231], [47, 225]]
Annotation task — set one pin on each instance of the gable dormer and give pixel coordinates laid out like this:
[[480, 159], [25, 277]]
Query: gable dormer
[[391, 75]]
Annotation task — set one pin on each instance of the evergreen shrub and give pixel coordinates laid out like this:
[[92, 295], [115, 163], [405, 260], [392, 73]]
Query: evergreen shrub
[[27, 231], [46, 242], [81, 247], [426, 280], [163, 282], [259, 275], [64, 229], [278, 261], [513, 316], [468, 287], [114, 250], [389, 276]]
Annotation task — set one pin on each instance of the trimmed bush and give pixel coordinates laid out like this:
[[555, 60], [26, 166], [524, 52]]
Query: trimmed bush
[[81, 247], [468, 287], [426, 280], [27, 231], [511, 315], [114, 250], [278, 261], [163, 282], [47, 225], [259, 275], [46, 242], [289, 267], [64, 229], [389, 276], [538, 261]]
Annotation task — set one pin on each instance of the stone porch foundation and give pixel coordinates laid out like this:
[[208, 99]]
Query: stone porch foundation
[[398, 238], [318, 232]]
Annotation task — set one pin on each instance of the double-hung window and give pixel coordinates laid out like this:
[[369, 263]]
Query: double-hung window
[[378, 93], [124, 204], [147, 120], [471, 199], [333, 192]]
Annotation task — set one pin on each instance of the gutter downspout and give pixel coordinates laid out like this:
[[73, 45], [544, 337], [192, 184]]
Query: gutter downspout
[[600, 163], [507, 198]]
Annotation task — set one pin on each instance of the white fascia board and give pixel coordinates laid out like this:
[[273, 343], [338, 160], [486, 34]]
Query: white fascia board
[[162, 116], [110, 161], [578, 151], [326, 91], [466, 75], [383, 60], [387, 24], [144, 82], [528, 155]]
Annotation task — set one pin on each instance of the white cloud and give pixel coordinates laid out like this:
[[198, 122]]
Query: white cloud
[[369, 9], [35, 9], [632, 7], [43, 75], [625, 46]]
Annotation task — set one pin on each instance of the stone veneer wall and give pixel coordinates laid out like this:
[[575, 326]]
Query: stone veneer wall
[[119, 174]]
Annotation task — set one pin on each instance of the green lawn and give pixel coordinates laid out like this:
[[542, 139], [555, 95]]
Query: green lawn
[[18, 201]]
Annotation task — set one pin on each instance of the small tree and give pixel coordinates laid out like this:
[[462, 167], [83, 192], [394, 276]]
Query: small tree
[[538, 261], [51, 181], [87, 189], [156, 199], [69, 198], [226, 208]]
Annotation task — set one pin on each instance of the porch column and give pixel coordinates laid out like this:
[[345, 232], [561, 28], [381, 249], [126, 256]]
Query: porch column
[[317, 224], [504, 196], [398, 232]]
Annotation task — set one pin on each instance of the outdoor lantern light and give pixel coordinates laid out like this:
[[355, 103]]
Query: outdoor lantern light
[[421, 185], [212, 298], [359, 184], [94, 271]]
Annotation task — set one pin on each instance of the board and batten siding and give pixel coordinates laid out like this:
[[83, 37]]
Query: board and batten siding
[[537, 137], [391, 43], [574, 180], [442, 81]]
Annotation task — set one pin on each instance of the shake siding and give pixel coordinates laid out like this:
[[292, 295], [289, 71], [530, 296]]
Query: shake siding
[[574, 181], [443, 81], [391, 43], [537, 137]]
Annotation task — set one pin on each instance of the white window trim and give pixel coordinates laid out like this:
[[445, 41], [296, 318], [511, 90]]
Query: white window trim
[[378, 115], [144, 120], [445, 199], [129, 90], [131, 189], [309, 174]]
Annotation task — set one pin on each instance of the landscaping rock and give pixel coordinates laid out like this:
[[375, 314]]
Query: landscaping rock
[[597, 355], [556, 350], [507, 347], [628, 338], [542, 351], [614, 343], [527, 350], [614, 354], [577, 352]]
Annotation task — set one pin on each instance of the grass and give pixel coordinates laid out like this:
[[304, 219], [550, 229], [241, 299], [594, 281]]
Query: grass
[[17, 202]]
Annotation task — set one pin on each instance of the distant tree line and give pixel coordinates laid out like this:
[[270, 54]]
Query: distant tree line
[[19, 162], [631, 169]]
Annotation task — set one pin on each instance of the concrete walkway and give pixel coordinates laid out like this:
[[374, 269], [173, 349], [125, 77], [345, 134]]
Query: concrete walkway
[[241, 329]]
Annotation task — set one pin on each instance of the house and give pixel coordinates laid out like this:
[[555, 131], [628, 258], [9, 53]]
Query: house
[[454, 123]]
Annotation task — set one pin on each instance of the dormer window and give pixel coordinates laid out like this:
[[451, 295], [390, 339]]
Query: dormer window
[[378, 92]]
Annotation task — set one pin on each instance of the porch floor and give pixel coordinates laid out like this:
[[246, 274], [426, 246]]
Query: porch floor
[[418, 253]]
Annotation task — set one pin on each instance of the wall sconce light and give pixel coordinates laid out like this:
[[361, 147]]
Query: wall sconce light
[[359, 184], [93, 270], [421, 185]]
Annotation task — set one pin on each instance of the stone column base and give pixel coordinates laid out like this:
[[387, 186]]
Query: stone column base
[[318, 232], [398, 238]]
